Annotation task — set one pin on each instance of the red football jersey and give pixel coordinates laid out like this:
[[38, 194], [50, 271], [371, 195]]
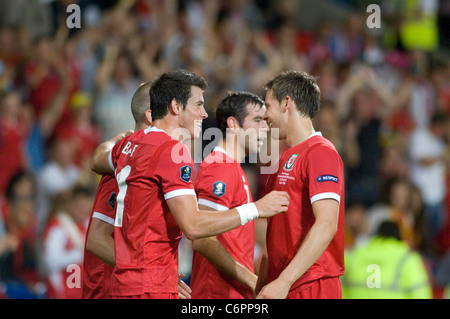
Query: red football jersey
[[309, 171], [221, 185], [150, 168], [96, 273]]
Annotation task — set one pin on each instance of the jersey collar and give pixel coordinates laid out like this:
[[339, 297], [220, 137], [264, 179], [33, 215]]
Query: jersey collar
[[315, 134], [220, 149], [153, 129]]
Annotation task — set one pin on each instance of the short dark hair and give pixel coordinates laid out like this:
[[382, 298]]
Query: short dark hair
[[439, 118], [82, 190], [16, 179], [234, 104], [140, 103], [301, 87], [388, 229], [171, 85]]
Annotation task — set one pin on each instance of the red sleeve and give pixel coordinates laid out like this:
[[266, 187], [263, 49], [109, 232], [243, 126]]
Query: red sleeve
[[115, 153], [325, 173], [174, 171], [105, 199], [215, 187]]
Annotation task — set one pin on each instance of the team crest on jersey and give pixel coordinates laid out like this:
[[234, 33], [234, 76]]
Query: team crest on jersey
[[185, 173], [290, 162], [219, 188], [112, 200]]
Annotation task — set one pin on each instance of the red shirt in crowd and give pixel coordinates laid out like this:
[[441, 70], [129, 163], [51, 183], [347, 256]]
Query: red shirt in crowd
[[12, 137]]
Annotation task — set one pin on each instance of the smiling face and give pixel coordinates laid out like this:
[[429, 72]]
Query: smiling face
[[274, 115], [194, 113], [254, 127]]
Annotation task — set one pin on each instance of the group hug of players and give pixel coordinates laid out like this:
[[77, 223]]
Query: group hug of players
[[147, 199]]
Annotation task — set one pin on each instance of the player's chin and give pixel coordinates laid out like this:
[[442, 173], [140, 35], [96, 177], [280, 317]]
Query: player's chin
[[259, 143], [197, 129], [196, 133], [254, 149]]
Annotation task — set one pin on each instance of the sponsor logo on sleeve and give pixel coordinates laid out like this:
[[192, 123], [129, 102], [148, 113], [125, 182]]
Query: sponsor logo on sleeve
[[327, 178]]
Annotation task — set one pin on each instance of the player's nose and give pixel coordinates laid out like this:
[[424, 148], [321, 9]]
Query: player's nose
[[264, 126], [203, 113]]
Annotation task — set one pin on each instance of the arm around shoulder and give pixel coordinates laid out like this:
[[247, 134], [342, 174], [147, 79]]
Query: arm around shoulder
[[100, 160]]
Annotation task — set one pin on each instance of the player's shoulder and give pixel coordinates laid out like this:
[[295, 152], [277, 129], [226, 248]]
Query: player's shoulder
[[152, 135], [218, 166], [157, 139], [129, 138], [166, 150], [106, 179], [320, 145], [318, 140], [107, 182], [218, 162]]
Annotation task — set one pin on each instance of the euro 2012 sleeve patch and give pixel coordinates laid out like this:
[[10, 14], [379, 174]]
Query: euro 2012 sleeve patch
[[185, 173], [219, 188], [112, 200]]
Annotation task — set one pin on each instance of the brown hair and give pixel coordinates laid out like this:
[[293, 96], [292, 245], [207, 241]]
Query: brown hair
[[301, 87]]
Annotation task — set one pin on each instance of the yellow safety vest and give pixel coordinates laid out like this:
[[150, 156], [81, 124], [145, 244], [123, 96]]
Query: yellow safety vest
[[384, 268], [420, 33]]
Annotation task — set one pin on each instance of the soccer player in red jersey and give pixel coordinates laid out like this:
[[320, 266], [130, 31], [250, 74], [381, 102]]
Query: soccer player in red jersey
[[222, 266], [97, 271], [99, 257], [305, 246], [156, 199]]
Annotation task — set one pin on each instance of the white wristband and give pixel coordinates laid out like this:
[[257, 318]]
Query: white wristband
[[247, 212]]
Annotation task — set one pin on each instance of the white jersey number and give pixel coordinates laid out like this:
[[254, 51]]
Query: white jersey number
[[122, 183]]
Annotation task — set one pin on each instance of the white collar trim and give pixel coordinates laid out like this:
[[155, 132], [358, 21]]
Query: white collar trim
[[153, 129], [315, 134], [220, 149]]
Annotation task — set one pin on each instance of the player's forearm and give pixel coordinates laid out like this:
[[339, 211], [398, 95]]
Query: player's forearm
[[103, 248], [262, 274], [219, 257], [197, 224], [100, 242], [99, 160], [315, 243], [208, 223]]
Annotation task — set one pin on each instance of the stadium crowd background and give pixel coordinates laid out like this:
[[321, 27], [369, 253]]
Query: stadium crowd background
[[63, 91]]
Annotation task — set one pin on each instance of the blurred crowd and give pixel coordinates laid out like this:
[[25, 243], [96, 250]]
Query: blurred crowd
[[385, 106]]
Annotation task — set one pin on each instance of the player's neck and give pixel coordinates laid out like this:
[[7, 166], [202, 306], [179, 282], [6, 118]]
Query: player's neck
[[166, 125], [299, 129], [232, 148], [141, 126]]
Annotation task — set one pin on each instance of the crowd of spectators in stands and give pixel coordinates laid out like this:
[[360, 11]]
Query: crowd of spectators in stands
[[385, 106]]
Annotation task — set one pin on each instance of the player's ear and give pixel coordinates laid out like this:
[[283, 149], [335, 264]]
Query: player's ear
[[232, 124], [148, 117], [286, 103], [175, 107]]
